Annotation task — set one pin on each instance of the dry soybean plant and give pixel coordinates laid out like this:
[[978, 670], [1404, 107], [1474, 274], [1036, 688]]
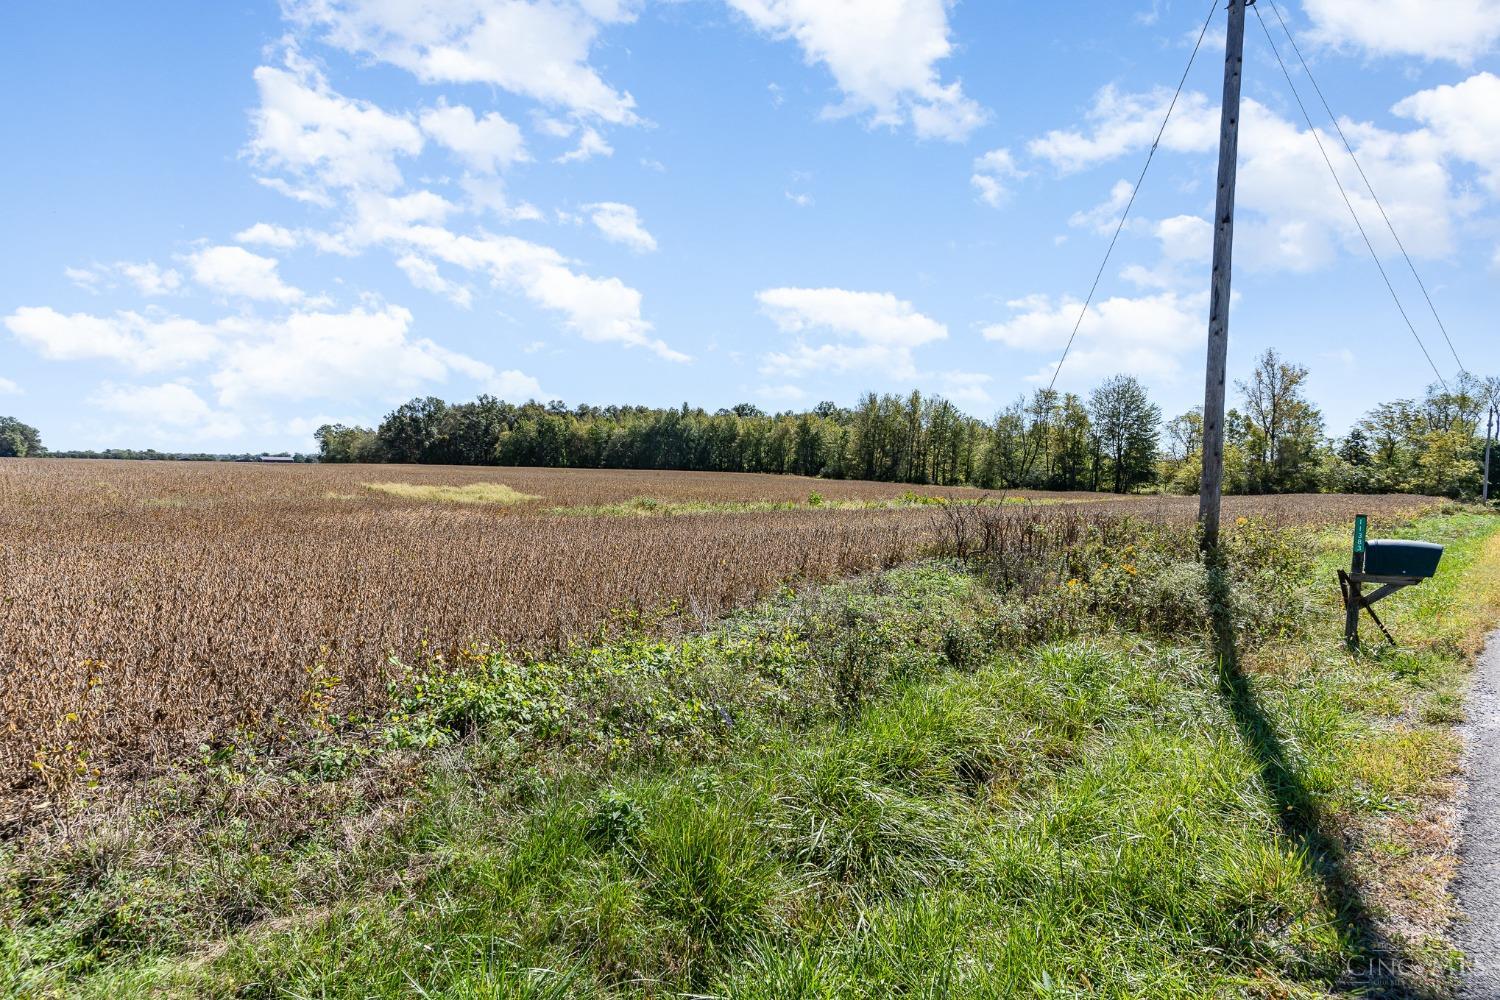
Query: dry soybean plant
[[148, 608]]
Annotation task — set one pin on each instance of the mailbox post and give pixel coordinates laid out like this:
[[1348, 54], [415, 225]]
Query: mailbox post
[[1356, 567], [1392, 565]]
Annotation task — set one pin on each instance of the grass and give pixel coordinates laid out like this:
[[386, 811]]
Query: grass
[[646, 506], [913, 784], [470, 493]]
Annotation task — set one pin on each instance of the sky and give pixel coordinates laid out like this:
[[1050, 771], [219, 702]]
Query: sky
[[228, 223]]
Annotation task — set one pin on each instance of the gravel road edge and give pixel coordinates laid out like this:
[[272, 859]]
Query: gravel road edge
[[1478, 883]]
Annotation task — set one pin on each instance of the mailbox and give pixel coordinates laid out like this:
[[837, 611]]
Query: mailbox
[[1417, 560], [1392, 565]]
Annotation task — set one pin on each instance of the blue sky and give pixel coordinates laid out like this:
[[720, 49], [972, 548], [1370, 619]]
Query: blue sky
[[227, 223]]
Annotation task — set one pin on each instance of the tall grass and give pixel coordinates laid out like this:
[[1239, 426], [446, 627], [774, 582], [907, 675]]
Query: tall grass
[[941, 780], [497, 494]]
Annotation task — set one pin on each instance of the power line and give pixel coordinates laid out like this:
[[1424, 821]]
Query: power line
[[1347, 203], [1212, 9], [1368, 186]]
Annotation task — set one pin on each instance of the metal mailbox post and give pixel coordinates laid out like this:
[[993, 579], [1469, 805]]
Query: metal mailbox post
[[1391, 565]]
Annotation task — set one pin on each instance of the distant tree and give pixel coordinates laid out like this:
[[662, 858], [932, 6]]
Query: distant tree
[[339, 443], [1071, 446], [1182, 460], [1283, 430], [412, 431], [1355, 448], [1125, 424], [1434, 445], [17, 440], [1017, 441], [1185, 434]]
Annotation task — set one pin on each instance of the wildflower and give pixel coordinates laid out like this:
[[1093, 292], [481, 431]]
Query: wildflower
[[1241, 521]]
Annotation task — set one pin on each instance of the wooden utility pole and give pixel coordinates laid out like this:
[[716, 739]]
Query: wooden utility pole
[[1218, 314], [1489, 436]]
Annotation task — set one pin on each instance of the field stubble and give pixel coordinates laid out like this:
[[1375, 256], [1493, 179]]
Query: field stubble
[[150, 607]]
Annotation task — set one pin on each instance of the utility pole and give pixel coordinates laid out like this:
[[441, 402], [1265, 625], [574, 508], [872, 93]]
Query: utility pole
[[1489, 436], [1218, 314]]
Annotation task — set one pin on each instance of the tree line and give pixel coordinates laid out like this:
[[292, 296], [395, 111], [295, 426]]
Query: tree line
[[20, 440], [1112, 439], [912, 439]]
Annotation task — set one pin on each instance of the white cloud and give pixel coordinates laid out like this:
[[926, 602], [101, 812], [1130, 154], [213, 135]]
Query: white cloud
[[268, 235], [379, 218], [321, 355], [9, 388], [1459, 30], [1143, 336], [1105, 216], [883, 55], [488, 144], [487, 194], [872, 331], [1186, 238], [139, 342], [86, 278], [621, 224], [1186, 243], [801, 200], [966, 388], [170, 410], [555, 127], [1465, 119], [1124, 123], [992, 175], [1296, 219], [232, 270], [149, 278], [590, 145], [1291, 214], [351, 356], [424, 274], [536, 48], [514, 385], [323, 138], [599, 309]]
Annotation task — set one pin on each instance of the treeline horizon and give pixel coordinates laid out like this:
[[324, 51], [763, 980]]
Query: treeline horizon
[[1113, 439]]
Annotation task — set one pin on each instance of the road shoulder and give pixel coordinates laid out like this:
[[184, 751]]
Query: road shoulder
[[1478, 883]]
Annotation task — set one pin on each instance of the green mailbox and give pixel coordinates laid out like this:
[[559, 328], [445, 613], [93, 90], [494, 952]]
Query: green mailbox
[[1417, 560], [1387, 564]]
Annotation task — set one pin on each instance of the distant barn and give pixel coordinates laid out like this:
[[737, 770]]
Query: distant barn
[[277, 458]]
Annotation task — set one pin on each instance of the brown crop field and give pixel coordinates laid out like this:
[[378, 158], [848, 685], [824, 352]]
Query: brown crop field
[[148, 607]]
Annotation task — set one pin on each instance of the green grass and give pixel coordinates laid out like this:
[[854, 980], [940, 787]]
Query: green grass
[[472, 493], [645, 506], [910, 785]]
